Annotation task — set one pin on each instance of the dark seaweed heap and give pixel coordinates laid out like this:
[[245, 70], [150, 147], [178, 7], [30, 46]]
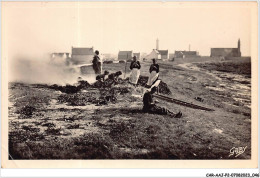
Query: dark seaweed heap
[[98, 96], [99, 93]]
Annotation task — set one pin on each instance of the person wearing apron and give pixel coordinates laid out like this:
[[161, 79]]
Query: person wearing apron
[[154, 73], [135, 71]]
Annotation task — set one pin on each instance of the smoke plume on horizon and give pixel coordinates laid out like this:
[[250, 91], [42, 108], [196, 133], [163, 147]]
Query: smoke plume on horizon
[[44, 71]]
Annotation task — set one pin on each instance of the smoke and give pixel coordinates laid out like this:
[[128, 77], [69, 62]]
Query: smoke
[[45, 71]]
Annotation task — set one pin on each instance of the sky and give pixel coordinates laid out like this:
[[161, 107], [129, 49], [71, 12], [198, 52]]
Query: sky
[[35, 28]]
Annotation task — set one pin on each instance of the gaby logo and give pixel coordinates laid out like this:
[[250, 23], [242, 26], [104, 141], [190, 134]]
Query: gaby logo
[[237, 151]]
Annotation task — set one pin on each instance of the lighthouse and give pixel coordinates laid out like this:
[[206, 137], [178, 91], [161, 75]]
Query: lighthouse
[[157, 44], [238, 48]]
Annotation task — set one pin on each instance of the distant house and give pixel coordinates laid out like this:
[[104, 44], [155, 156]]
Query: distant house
[[82, 55], [178, 54], [158, 54], [154, 55], [186, 54], [164, 54], [125, 55], [137, 55], [226, 52]]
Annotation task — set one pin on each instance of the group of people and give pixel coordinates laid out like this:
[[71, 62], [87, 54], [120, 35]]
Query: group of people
[[135, 67], [148, 104]]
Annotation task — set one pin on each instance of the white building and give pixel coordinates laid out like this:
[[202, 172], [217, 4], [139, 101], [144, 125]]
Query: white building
[[158, 54], [154, 54]]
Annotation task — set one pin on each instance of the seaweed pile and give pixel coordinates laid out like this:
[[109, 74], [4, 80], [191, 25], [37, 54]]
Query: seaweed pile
[[82, 84], [66, 89], [102, 95], [99, 93]]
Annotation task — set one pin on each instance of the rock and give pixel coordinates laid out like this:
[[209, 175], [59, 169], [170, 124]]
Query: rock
[[199, 99]]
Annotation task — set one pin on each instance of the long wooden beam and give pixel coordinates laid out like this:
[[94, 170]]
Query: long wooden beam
[[194, 106]]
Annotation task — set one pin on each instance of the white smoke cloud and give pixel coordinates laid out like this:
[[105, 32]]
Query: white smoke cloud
[[45, 71]]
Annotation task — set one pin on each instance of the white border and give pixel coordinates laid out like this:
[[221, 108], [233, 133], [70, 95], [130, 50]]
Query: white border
[[123, 172]]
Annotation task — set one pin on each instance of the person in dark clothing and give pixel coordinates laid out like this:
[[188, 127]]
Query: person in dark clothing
[[135, 64], [150, 107], [115, 76], [154, 67], [135, 67], [154, 73], [96, 63], [101, 77], [112, 79]]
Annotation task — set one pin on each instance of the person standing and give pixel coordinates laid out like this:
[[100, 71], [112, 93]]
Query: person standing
[[154, 73], [96, 63], [135, 71]]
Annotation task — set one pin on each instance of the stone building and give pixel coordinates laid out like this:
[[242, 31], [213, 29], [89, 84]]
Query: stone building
[[125, 55], [82, 55], [186, 54], [226, 52], [158, 54]]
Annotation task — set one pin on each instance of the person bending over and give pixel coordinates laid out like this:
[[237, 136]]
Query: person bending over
[[102, 77], [115, 76]]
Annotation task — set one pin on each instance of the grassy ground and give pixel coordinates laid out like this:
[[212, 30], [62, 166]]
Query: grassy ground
[[44, 125]]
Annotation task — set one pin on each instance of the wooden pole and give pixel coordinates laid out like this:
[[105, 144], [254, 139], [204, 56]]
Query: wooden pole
[[125, 68], [183, 103], [101, 61], [126, 64]]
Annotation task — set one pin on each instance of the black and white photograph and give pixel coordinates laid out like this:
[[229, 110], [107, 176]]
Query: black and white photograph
[[130, 80]]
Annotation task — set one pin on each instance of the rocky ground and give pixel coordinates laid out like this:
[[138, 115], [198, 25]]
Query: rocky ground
[[84, 121]]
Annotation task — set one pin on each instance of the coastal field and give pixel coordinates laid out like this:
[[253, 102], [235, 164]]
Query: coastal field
[[56, 122]]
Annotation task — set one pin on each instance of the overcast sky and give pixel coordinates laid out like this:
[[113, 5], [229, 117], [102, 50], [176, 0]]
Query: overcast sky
[[35, 28]]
